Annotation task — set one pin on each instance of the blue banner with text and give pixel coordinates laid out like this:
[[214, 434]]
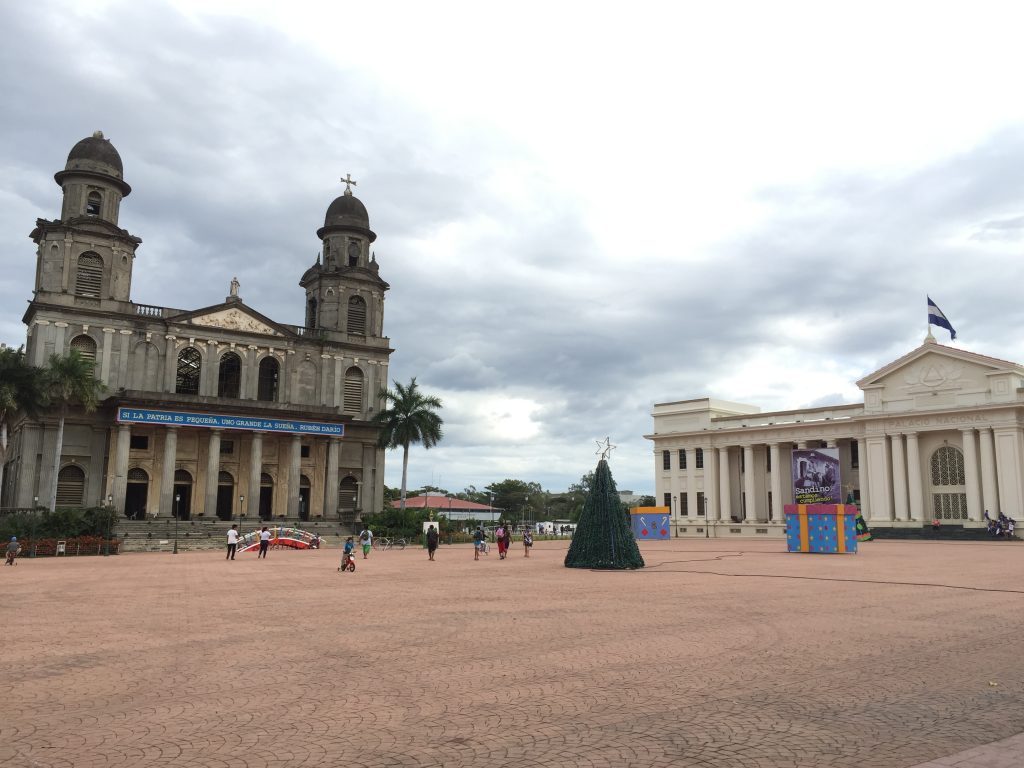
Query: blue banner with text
[[218, 421]]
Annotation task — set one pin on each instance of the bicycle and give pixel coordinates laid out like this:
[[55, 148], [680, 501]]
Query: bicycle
[[383, 543]]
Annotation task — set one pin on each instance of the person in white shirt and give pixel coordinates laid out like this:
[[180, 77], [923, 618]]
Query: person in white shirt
[[232, 542], [366, 540], [264, 543]]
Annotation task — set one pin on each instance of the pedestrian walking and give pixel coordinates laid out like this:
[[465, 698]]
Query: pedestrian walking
[[13, 548], [499, 536], [478, 542], [264, 543], [366, 540], [232, 542], [527, 542], [508, 539], [431, 542]]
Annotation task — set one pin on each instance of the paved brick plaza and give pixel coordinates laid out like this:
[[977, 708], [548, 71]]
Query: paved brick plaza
[[715, 655]]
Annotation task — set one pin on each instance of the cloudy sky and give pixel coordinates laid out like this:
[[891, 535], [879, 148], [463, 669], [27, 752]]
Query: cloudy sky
[[581, 212]]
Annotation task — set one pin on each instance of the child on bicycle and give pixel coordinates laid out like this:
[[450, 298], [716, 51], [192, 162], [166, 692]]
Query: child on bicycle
[[346, 553]]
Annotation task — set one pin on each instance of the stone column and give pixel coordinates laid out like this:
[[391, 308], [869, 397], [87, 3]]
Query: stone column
[[915, 483], [120, 489], [748, 484], [337, 381], [243, 374], [122, 363], [252, 509], [971, 475], [879, 485], [42, 332], [212, 472], [108, 343], [170, 363], [1008, 450], [167, 471], [710, 489], [293, 477], [989, 489], [724, 495], [331, 487], [778, 503], [899, 479]]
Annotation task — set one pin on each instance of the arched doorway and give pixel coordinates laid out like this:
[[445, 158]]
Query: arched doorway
[[348, 490], [225, 495], [70, 486], [304, 487], [266, 496], [137, 494], [949, 485], [182, 492]]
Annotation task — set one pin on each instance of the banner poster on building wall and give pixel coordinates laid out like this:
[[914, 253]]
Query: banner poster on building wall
[[816, 476]]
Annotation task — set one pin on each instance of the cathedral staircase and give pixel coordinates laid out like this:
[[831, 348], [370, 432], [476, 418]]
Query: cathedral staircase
[[205, 533]]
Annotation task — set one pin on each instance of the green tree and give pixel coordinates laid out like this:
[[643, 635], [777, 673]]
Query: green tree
[[409, 417], [647, 501], [603, 538], [68, 381], [21, 391], [513, 497]]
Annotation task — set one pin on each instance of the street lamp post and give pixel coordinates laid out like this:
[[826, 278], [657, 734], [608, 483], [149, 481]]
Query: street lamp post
[[241, 512], [35, 511], [707, 515], [177, 498], [110, 523]]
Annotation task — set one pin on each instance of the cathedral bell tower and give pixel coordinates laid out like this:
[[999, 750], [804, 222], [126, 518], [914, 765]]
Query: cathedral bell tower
[[345, 292], [84, 257]]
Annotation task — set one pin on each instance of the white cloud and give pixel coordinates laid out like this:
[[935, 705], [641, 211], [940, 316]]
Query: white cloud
[[581, 212]]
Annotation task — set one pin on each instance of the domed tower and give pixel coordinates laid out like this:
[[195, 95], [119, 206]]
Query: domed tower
[[84, 254], [345, 292]]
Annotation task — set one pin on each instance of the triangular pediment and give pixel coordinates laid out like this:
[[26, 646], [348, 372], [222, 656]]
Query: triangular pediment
[[936, 376], [233, 316], [933, 366]]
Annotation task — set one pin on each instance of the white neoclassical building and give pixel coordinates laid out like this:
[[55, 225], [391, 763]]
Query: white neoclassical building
[[940, 434]]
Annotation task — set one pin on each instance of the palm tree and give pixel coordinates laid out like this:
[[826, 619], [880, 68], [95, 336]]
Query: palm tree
[[408, 417], [69, 381], [21, 390]]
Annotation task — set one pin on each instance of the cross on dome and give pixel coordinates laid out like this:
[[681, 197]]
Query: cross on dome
[[349, 181]]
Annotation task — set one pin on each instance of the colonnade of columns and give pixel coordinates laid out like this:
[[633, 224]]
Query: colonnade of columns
[[749, 482], [325, 503]]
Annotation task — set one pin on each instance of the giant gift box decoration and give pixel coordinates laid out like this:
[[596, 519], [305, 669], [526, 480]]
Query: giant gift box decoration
[[650, 522], [822, 528]]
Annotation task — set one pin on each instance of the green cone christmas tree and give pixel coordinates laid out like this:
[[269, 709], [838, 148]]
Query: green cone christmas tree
[[603, 538]]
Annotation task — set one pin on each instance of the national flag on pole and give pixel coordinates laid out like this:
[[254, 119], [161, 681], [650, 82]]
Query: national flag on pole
[[935, 317]]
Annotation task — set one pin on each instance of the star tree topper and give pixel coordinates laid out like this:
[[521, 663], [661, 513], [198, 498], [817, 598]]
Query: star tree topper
[[605, 448]]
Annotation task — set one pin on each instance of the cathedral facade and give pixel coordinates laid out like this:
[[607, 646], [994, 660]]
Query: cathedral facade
[[218, 411]]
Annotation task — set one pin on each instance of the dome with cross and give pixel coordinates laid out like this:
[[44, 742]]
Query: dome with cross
[[347, 212]]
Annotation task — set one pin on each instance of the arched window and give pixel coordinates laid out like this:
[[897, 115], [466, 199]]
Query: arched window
[[347, 490], [948, 467], [353, 390], [267, 385], [311, 312], [190, 364], [84, 346], [70, 486], [357, 315], [89, 277], [93, 204], [229, 378], [949, 496]]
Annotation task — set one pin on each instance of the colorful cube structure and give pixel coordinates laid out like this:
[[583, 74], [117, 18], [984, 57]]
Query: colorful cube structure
[[821, 528], [650, 523]]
